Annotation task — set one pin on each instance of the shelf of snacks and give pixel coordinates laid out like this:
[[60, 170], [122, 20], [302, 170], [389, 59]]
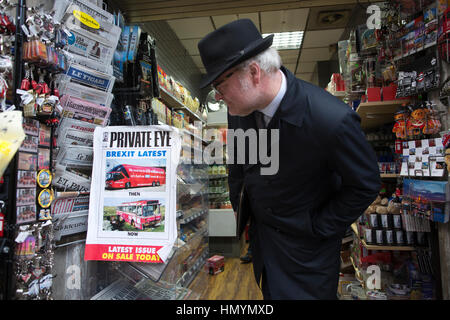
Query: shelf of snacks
[[377, 113], [174, 103]]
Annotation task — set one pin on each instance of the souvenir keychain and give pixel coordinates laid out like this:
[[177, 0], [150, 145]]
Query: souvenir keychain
[[42, 86], [25, 85]]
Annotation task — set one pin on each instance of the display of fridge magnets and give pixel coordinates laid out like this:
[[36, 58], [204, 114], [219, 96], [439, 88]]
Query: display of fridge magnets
[[29, 144], [26, 179], [44, 178], [437, 166], [45, 198], [31, 126], [432, 142], [43, 159], [26, 196], [425, 166], [404, 167], [27, 161], [44, 136], [26, 214], [44, 214], [405, 151]]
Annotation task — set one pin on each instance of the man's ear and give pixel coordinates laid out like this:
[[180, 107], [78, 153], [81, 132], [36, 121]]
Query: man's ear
[[255, 72]]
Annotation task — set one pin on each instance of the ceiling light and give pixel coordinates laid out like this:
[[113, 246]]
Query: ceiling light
[[286, 40]]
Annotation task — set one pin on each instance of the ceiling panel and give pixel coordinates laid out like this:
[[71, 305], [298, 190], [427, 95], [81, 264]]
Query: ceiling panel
[[198, 62], [220, 21], [315, 54], [321, 38], [289, 56], [284, 20], [291, 67], [223, 20], [191, 45], [306, 67], [330, 17], [252, 16], [192, 27]]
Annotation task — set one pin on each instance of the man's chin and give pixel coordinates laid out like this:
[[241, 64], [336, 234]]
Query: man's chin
[[238, 113]]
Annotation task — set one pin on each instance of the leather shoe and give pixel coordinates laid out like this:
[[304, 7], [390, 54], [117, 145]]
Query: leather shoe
[[247, 258]]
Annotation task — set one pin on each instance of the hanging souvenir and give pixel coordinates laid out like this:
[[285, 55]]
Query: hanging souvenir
[[400, 124], [416, 121], [26, 84], [432, 122]]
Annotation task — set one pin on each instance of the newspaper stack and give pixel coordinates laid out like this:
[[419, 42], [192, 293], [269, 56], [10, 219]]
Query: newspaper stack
[[85, 90]]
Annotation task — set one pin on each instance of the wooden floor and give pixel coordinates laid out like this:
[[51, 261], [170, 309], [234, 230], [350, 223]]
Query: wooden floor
[[235, 283]]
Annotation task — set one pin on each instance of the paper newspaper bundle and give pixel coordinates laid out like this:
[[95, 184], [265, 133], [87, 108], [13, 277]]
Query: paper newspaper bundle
[[75, 156], [80, 109], [68, 179], [70, 215], [86, 62], [60, 8], [88, 36], [65, 86], [82, 75], [75, 132]]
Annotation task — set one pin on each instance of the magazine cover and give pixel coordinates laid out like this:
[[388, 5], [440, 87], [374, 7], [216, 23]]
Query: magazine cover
[[132, 212]]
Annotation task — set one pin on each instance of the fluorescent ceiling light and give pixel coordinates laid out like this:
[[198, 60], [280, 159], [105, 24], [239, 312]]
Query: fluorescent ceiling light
[[286, 40]]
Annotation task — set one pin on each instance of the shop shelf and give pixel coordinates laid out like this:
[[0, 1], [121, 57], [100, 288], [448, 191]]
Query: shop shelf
[[217, 176], [193, 216], [190, 274], [194, 135], [347, 239], [389, 248], [377, 247], [174, 103], [389, 175], [345, 265], [375, 114]]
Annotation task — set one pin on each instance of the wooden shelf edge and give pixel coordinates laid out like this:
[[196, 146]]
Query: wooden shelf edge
[[388, 248], [389, 175], [397, 102]]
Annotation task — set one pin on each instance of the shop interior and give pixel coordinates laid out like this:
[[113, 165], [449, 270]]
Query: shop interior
[[77, 65]]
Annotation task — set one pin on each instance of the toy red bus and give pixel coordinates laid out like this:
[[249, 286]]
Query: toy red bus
[[131, 176], [140, 214], [215, 264]]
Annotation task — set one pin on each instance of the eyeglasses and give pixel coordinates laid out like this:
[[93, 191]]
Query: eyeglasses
[[215, 86]]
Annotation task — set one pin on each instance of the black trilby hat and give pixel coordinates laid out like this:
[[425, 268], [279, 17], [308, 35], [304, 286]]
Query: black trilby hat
[[230, 45]]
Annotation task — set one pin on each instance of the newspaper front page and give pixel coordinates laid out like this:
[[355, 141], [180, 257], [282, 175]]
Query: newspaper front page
[[132, 212]]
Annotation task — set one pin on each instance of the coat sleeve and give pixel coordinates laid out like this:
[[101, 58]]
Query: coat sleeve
[[354, 161], [235, 171]]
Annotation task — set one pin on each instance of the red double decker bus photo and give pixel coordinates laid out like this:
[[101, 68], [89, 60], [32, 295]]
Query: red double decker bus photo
[[126, 176], [138, 215]]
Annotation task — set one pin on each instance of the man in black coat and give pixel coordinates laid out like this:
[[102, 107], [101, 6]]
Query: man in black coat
[[325, 175]]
